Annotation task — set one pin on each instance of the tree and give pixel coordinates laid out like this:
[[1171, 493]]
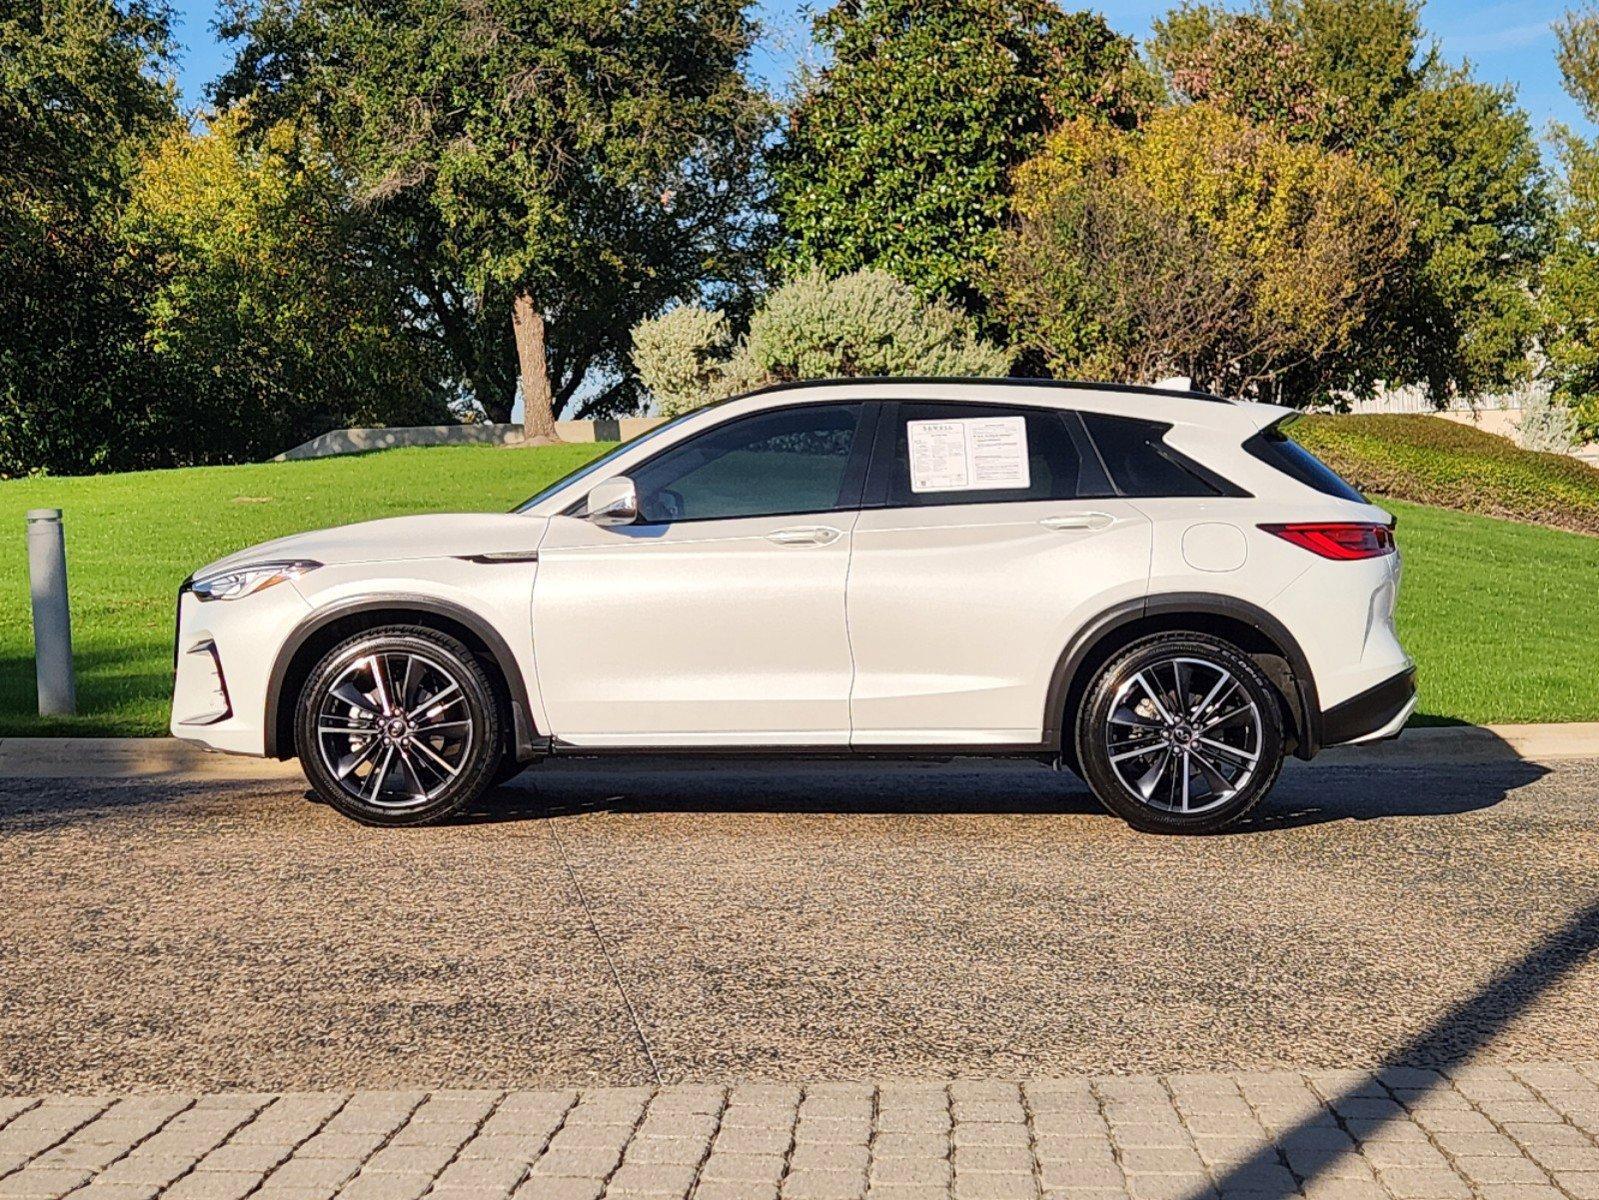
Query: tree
[[567, 167], [813, 327], [1199, 245], [1250, 66], [1570, 282], [276, 315], [897, 156], [81, 93], [1353, 75]]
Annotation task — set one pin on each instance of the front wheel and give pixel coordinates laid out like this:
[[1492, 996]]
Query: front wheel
[[398, 726], [1180, 733]]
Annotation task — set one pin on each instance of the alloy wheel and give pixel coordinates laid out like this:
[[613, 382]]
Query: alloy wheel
[[1183, 735], [394, 729]]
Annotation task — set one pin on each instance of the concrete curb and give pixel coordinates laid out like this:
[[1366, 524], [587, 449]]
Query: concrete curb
[[167, 759], [154, 758], [1474, 744]]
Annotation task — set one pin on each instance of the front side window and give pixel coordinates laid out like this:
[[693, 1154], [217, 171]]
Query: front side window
[[787, 461], [985, 454], [595, 465]]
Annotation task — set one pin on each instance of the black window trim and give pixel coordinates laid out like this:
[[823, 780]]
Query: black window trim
[[849, 489], [1277, 433], [1220, 484]]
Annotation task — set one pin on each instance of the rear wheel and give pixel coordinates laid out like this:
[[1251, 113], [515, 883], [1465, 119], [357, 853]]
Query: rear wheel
[[1180, 733], [399, 726]]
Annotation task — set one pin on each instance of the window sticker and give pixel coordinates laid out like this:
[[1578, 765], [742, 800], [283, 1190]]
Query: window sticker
[[968, 455]]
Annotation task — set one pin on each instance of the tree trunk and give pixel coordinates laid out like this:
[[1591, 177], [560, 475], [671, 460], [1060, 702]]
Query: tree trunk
[[538, 411]]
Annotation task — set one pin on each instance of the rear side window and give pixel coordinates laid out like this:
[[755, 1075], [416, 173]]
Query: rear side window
[[984, 454], [1276, 449], [1142, 465]]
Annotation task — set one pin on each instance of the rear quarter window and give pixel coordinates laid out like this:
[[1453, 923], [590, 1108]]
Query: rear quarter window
[[1140, 464], [1276, 449]]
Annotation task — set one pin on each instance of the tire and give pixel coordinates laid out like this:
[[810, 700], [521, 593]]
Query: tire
[[354, 719], [1180, 711]]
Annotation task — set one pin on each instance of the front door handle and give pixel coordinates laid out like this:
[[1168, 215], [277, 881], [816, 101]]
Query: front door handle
[[1084, 520], [808, 535]]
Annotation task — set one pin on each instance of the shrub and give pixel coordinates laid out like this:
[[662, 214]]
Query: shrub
[[813, 327], [867, 323], [1429, 460], [681, 356], [1547, 423]]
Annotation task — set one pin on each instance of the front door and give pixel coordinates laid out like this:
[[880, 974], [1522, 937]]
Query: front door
[[989, 537], [717, 618]]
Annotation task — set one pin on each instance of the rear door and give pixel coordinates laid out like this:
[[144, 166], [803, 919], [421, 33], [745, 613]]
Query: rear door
[[989, 535]]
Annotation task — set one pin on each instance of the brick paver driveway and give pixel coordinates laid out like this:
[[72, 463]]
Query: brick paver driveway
[[1526, 1134]]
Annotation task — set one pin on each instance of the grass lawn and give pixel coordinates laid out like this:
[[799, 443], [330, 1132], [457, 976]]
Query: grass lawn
[[131, 539], [1500, 616]]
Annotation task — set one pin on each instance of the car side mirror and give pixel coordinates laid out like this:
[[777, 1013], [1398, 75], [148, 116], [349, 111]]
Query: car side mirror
[[613, 501]]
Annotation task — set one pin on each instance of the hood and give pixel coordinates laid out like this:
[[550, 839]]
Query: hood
[[394, 539]]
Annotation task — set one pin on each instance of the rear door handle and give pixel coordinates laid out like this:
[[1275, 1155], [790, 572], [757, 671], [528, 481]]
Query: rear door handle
[[807, 535], [1085, 520]]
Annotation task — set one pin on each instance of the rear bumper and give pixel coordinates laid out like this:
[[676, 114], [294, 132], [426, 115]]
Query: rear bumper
[[1375, 714]]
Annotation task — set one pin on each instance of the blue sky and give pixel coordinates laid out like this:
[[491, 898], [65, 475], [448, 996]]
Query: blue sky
[[1509, 41]]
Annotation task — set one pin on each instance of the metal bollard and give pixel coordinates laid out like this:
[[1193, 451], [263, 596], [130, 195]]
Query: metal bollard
[[52, 622]]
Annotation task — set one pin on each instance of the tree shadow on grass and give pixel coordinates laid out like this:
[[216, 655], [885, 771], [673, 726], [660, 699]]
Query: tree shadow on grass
[[111, 683]]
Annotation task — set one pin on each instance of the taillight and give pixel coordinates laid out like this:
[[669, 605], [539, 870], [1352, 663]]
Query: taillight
[[1339, 539]]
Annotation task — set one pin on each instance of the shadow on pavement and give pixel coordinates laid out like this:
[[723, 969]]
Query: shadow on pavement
[[1305, 796], [1449, 1041]]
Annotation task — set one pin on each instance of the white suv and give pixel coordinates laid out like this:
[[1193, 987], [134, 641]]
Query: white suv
[[1156, 589]]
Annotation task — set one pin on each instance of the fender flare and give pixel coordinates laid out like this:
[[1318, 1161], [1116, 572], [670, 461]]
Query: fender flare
[[521, 724], [1172, 603]]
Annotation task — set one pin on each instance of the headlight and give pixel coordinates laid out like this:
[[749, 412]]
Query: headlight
[[247, 580]]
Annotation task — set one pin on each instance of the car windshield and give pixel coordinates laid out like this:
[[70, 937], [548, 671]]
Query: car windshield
[[596, 465]]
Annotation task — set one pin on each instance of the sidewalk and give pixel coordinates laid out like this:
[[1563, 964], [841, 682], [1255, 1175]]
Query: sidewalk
[[1494, 1133], [168, 758]]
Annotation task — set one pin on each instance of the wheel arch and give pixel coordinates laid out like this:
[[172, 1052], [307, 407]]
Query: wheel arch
[[328, 626], [1251, 628]]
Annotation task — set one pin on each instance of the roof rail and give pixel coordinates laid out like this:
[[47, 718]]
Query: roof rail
[[1079, 385]]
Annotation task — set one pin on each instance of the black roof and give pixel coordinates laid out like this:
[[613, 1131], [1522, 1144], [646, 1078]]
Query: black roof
[[1077, 385]]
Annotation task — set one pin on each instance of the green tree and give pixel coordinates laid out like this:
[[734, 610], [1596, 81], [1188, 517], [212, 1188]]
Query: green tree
[[1570, 284], [1356, 75], [276, 315], [82, 93], [558, 170], [897, 155], [1200, 245]]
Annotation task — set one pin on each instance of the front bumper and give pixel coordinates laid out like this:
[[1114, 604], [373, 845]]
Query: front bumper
[[224, 653], [1374, 715]]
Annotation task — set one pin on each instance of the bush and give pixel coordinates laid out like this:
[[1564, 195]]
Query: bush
[[1429, 460], [1547, 423], [681, 356], [813, 327]]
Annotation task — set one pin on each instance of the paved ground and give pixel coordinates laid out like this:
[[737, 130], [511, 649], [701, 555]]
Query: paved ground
[[596, 927], [1483, 1133]]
